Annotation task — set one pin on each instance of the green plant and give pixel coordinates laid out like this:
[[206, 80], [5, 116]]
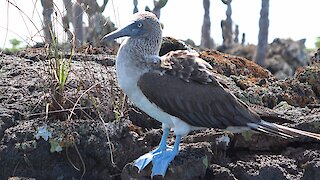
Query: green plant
[[60, 67], [15, 45]]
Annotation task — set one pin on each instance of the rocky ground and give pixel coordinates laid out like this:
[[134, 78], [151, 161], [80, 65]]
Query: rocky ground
[[283, 56], [91, 131]]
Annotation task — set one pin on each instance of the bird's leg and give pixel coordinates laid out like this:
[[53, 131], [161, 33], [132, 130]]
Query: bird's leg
[[145, 159], [162, 159], [163, 142]]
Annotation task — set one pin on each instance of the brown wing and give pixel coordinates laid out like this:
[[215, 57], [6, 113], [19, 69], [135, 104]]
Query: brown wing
[[193, 95]]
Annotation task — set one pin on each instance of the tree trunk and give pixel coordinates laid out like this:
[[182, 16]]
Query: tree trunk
[[205, 31], [47, 13], [263, 34]]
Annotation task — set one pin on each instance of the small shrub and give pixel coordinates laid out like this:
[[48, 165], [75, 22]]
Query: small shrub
[[15, 46]]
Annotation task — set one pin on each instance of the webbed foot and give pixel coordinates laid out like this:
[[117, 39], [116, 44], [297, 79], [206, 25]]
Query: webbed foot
[[162, 160], [145, 159], [160, 157]]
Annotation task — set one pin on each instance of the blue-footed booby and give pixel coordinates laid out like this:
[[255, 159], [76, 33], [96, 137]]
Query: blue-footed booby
[[179, 90]]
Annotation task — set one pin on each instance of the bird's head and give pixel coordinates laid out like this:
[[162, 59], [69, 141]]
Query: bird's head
[[144, 25]]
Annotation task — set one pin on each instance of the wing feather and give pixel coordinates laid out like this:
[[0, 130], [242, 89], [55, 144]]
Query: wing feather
[[184, 87], [198, 104]]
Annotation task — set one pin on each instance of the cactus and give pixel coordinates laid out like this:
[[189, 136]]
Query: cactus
[[236, 34], [206, 40], [243, 39], [135, 4], [226, 26], [96, 27], [157, 7], [96, 20], [263, 34], [92, 7]]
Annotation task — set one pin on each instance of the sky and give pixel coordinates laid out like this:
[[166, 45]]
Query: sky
[[182, 19]]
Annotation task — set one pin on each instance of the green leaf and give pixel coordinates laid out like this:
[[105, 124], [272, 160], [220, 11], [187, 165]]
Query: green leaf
[[54, 146]]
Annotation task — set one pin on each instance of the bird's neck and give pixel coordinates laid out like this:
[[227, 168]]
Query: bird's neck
[[142, 47]]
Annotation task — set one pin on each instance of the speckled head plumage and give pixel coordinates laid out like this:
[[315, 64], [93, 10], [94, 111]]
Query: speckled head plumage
[[147, 17], [144, 32]]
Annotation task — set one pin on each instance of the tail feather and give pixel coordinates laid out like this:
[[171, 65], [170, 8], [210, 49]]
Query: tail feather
[[274, 132], [282, 131]]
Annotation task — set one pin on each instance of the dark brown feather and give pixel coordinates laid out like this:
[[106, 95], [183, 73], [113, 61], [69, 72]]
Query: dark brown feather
[[189, 91]]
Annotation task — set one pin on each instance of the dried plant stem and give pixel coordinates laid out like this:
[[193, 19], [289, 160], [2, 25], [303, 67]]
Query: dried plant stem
[[58, 111], [74, 107], [81, 159], [111, 147]]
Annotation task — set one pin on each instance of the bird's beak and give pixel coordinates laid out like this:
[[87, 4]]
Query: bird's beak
[[121, 32]]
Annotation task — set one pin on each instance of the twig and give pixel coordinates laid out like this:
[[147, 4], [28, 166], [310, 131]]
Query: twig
[[7, 28], [83, 165], [80, 108], [25, 24], [38, 103], [72, 164], [26, 159], [79, 100], [16, 34], [24, 15], [109, 141], [16, 167], [136, 111], [81, 159], [47, 111], [123, 111], [56, 101], [58, 111]]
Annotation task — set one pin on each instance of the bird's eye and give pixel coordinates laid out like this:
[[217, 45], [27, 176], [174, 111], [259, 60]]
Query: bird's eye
[[139, 25]]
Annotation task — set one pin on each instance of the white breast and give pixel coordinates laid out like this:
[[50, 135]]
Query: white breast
[[128, 75]]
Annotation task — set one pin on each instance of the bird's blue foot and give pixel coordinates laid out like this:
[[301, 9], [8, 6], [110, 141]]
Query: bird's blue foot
[[160, 157], [162, 160], [145, 159]]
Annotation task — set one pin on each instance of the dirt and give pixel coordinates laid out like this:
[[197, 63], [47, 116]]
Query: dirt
[[105, 132]]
